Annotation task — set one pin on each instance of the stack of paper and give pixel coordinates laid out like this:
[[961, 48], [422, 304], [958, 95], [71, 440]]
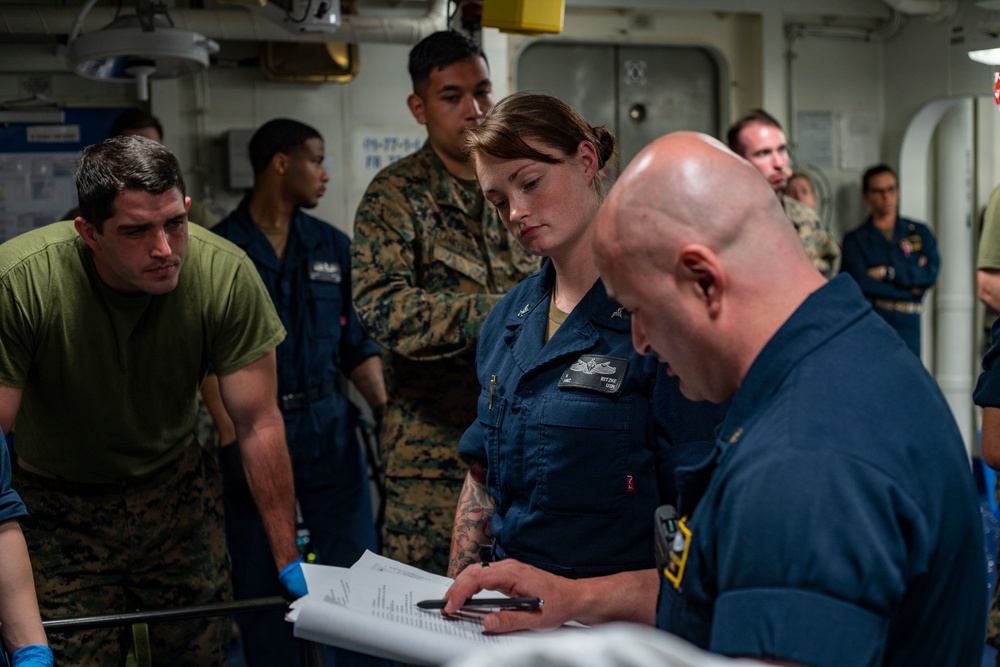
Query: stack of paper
[[371, 608]]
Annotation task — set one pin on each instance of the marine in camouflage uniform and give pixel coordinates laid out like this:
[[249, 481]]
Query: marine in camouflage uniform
[[758, 138], [430, 260], [822, 249]]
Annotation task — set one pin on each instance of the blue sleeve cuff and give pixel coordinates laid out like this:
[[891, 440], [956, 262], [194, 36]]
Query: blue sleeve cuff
[[354, 357], [987, 392], [11, 506], [796, 626], [471, 446]]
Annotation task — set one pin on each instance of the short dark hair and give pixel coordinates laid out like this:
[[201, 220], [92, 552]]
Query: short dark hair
[[804, 176], [281, 135], [437, 50], [134, 119], [755, 116], [110, 167], [872, 172]]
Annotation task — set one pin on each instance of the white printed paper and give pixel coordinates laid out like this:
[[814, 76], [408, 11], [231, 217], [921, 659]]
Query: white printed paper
[[371, 608]]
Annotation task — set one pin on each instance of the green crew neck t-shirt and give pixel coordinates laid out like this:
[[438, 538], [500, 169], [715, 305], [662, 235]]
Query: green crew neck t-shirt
[[110, 381]]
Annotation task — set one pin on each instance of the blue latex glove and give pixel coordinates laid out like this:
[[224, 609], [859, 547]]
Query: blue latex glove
[[293, 580], [32, 655]]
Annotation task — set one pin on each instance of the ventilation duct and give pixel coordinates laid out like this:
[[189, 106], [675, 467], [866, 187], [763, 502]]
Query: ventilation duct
[[933, 10], [237, 24]]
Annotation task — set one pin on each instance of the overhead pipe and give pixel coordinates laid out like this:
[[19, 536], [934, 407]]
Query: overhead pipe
[[236, 24], [934, 10], [954, 311], [797, 31]]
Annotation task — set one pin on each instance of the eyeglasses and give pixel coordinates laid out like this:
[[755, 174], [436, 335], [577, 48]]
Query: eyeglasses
[[891, 190]]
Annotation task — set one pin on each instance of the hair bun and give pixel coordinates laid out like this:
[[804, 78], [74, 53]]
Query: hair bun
[[605, 144]]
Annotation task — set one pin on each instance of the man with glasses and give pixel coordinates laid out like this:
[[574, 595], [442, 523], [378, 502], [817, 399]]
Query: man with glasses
[[893, 259]]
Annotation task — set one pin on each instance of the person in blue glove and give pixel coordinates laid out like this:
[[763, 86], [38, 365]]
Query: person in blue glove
[[20, 624], [305, 265]]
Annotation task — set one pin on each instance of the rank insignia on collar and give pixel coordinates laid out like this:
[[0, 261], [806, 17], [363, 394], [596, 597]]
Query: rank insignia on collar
[[672, 541], [523, 311], [620, 312]]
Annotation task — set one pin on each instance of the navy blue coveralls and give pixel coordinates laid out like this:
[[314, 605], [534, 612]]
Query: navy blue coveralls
[[579, 435], [311, 290], [897, 299], [824, 530]]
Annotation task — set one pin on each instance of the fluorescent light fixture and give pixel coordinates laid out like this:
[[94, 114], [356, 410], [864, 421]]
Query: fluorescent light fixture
[[986, 56]]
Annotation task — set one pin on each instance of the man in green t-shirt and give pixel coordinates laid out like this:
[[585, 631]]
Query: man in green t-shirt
[[108, 324]]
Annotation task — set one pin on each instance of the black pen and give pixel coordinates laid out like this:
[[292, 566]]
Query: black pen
[[500, 603]]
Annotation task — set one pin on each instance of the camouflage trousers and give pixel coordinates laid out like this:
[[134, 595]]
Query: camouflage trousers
[[419, 519], [151, 545]]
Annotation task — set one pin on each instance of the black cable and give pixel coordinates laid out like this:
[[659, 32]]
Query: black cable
[[305, 14]]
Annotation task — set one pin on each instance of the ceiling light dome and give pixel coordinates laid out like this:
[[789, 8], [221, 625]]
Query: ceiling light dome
[[135, 48]]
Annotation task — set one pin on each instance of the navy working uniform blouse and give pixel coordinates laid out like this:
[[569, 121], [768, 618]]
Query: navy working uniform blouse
[[579, 435], [837, 521]]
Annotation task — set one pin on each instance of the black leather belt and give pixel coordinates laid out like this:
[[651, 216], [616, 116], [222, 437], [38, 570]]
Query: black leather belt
[[304, 398]]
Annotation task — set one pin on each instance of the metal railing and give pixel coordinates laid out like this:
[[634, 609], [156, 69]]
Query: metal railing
[[312, 655]]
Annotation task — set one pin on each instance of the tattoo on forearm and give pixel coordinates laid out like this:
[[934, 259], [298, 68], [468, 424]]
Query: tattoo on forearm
[[472, 526]]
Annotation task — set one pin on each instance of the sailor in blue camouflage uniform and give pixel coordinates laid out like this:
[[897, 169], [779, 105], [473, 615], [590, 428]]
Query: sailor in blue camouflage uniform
[[305, 265], [893, 259]]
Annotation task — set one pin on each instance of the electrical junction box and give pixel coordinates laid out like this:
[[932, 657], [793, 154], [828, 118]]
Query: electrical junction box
[[240, 172], [303, 15], [526, 17]]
